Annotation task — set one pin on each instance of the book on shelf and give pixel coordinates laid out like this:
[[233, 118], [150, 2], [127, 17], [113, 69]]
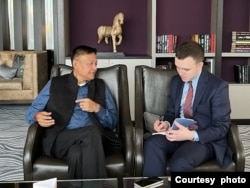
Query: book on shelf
[[242, 73], [166, 43], [240, 42], [240, 50], [149, 182], [240, 35], [240, 45], [212, 42], [241, 38], [207, 41], [240, 32]]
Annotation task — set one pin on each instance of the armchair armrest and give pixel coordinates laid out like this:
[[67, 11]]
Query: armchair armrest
[[139, 151], [236, 145], [139, 122], [129, 150], [126, 123], [32, 149]]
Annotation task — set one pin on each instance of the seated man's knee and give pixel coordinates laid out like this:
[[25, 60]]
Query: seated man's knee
[[74, 152], [180, 165]]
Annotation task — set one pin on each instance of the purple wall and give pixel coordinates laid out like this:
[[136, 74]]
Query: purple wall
[[183, 18], [87, 15], [173, 16], [180, 17]]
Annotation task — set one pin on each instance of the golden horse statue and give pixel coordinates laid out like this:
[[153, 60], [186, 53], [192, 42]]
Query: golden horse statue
[[114, 31]]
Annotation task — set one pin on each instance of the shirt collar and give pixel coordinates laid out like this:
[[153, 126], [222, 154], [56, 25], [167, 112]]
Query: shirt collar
[[195, 80], [83, 84]]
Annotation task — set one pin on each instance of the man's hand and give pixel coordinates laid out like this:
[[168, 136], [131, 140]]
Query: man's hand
[[160, 126], [88, 105], [181, 134], [44, 119]]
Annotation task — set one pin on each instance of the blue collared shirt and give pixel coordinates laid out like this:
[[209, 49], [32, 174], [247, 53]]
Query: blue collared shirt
[[107, 116]]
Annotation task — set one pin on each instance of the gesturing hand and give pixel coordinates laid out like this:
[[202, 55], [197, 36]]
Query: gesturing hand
[[88, 105], [44, 119]]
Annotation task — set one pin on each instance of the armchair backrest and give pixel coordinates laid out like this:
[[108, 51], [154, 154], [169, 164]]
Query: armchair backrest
[[151, 95], [115, 78], [118, 164], [151, 90]]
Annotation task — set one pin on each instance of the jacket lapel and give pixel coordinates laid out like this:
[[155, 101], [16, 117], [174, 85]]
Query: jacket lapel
[[179, 90], [201, 89]]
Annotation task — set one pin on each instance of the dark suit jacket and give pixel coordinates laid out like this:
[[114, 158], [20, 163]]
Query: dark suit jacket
[[211, 109]]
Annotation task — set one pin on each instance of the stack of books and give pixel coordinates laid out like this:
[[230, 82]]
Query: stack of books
[[166, 43], [242, 74], [240, 42], [207, 41]]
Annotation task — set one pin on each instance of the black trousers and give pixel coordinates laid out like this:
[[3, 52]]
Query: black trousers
[[83, 150]]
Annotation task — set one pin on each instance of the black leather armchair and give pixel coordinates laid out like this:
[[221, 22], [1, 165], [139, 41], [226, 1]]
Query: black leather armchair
[[119, 164], [151, 91]]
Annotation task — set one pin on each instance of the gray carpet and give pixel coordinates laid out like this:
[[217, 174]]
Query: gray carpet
[[13, 129], [245, 137]]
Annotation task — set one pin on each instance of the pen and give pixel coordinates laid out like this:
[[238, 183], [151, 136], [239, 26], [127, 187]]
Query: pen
[[161, 118]]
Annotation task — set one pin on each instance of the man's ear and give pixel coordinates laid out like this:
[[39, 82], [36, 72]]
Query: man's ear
[[201, 64], [73, 63]]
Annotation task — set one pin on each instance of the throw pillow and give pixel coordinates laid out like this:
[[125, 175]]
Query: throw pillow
[[7, 72], [149, 121], [18, 62]]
